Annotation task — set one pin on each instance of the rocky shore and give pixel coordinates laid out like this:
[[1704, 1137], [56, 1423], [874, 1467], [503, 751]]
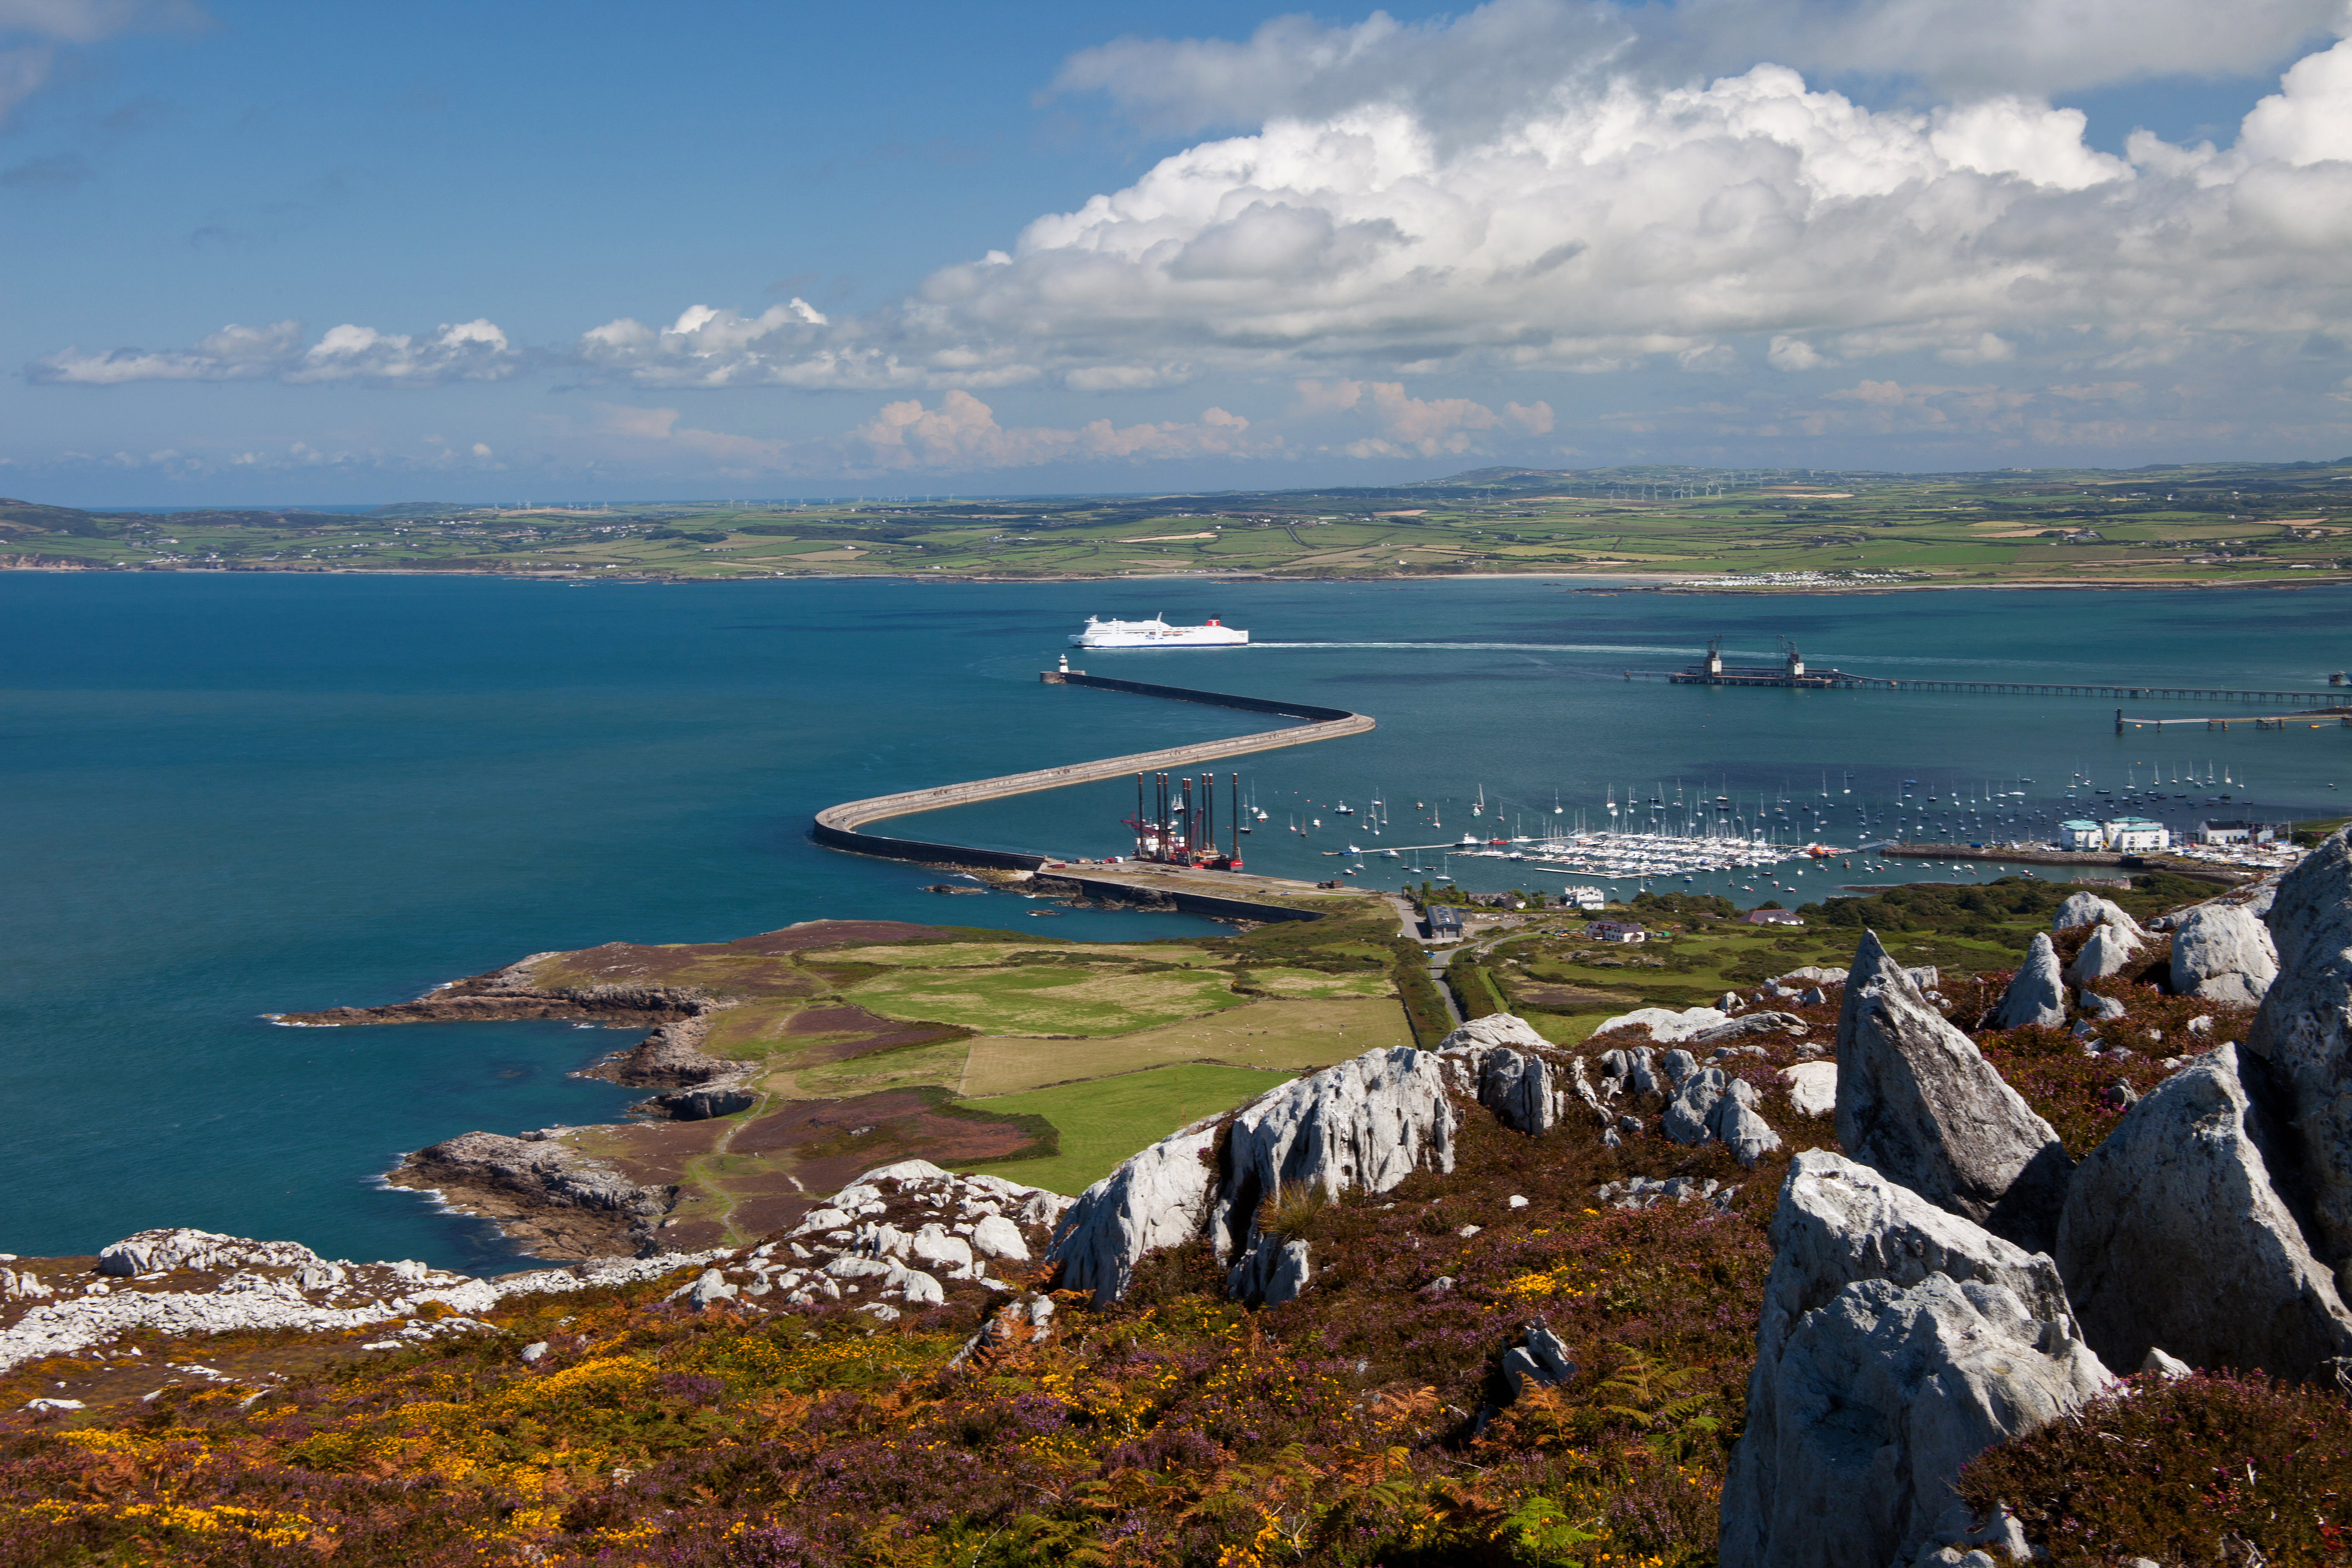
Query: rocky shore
[[550, 1198]]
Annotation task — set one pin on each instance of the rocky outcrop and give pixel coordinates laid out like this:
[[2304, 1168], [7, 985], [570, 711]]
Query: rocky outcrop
[[2036, 993], [2305, 1030], [2110, 951], [2089, 909], [1896, 1343], [704, 1101], [1918, 1101], [1761, 1026], [1539, 1358], [191, 1282], [2174, 1235], [670, 1057], [1812, 1087], [1710, 1103], [556, 1200], [1271, 1272], [1667, 1027], [2223, 952], [1498, 1061], [1363, 1124], [1156, 1198]]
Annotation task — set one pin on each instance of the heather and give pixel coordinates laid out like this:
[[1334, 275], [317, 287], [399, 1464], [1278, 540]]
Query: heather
[[1365, 1422], [1174, 1427], [2202, 1470]]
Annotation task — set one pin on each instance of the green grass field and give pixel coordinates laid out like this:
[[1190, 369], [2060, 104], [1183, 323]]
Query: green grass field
[[2190, 523], [1075, 999], [1104, 1121]]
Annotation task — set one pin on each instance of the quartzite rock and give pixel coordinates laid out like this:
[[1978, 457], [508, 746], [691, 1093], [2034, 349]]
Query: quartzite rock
[[1918, 1101], [1812, 1087], [2223, 952], [1896, 1343], [2303, 1029], [1667, 1027], [2110, 951], [2036, 994], [1756, 1026], [1540, 1358], [1497, 1061], [2173, 1236], [1367, 1123], [2089, 909], [1271, 1272], [1154, 1199]]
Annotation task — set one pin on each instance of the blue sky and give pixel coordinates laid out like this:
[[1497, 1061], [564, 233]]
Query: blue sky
[[270, 254]]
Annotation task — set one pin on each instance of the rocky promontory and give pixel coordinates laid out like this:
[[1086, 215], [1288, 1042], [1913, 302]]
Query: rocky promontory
[[551, 1199]]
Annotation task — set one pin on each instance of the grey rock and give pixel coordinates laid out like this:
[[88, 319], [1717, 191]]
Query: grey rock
[[1271, 1272], [1678, 1066], [1540, 1358], [2089, 909], [2100, 1007], [2224, 952], [994, 1236], [1693, 1110], [534, 1351], [1636, 1067], [2174, 1234], [1743, 1130], [2110, 951], [1896, 1343], [1918, 1100], [1667, 1027], [705, 1101], [1924, 976], [708, 1288], [1154, 1199], [1497, 1060], [1813, 975], [1812, 1087], [1713, 1104], [2036, 994], [2305, 1029], [1756, 1026], [1731, 1003], [1365, 1124], [2170, 1366]]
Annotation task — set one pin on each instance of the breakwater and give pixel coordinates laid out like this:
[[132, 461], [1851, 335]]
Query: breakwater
[[842, 826]]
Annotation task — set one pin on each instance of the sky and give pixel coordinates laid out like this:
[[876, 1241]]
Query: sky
[[259, 252]]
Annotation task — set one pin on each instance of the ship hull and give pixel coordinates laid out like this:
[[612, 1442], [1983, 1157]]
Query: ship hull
[[1186, 636]]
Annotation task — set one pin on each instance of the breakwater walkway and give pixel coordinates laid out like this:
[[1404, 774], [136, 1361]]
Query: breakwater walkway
[[844, 827]]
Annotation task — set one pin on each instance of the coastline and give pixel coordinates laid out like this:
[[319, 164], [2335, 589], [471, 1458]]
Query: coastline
[[1619, 581]]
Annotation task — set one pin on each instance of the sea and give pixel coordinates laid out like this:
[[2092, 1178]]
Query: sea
[[223, 796]]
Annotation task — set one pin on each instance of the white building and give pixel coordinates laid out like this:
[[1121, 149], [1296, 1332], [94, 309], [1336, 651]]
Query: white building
[[2243, 832], [2130, 835], [2124, 836]]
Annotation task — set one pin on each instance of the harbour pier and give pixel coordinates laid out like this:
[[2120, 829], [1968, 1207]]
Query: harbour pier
[[844, 827], [1792, 673]]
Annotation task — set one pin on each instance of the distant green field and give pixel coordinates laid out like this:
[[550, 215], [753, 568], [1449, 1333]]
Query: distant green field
[[1091, 999], [1104, 1121], [2190, 523]]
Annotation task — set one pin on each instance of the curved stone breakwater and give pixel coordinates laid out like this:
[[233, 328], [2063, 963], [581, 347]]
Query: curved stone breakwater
[[839, 826]]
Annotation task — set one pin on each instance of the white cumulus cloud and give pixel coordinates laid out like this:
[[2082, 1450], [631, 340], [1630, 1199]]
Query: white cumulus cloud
[[469, 350]]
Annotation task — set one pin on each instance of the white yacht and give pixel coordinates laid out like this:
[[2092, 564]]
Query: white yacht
[[1156, 633]]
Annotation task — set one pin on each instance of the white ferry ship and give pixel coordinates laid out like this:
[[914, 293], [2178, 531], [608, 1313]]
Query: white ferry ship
[[1155, 633]]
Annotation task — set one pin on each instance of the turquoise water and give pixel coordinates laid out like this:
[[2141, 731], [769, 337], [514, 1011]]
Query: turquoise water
[[226, 796]]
